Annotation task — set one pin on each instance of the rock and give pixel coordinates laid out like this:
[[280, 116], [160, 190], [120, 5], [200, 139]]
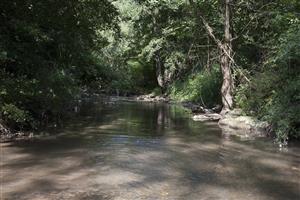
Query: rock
[[207, 117], [31, 135], [152, 98], [20, 134], [208, 111], [236, 123], [217, 109], [247, 125], [140, 98], [195, 108], [152, 95], [263, 126], [234, 113]]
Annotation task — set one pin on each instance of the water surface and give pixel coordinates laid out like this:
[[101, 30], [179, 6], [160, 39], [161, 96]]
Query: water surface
[[129, 151]]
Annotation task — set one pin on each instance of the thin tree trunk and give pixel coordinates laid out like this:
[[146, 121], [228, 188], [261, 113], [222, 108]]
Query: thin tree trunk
[[160, 72], [208, 67]]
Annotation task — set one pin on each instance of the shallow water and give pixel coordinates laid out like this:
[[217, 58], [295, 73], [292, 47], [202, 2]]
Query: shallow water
[[123, 150]]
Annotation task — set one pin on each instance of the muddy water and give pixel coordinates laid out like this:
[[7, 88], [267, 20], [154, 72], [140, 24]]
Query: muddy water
[[132, 151]]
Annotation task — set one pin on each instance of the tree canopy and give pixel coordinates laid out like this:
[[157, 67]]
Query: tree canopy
[[232, 52]]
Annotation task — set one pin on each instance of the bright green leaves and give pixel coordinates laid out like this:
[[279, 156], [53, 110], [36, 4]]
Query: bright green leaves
[[13, 113]]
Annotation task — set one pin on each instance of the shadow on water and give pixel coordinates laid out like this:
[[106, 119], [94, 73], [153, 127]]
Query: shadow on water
[[125, 150]]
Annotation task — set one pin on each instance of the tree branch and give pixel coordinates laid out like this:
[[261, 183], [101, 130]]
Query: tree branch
[[209, 31]]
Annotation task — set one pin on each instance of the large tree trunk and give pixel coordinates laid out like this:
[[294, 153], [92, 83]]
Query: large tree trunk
[[228, 84]]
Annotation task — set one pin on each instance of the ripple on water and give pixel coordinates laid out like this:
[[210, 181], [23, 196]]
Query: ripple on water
[[147, 151]]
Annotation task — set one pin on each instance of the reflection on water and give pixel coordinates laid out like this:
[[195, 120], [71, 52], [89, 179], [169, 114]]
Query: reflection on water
[[122, 150]]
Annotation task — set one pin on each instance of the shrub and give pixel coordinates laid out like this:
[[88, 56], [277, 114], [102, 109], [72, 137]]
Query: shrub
[[202, 87], [274, 93], [14, 116]]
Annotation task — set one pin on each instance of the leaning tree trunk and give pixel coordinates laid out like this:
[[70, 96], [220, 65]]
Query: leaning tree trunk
[[226, 62]]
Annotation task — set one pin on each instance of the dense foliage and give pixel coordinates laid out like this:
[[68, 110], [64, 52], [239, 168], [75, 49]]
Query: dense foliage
[[50, 50], [46, 53], [274, 91], [202, 87]]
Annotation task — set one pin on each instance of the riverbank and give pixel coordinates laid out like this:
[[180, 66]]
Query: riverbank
[[7, 134], [233, 122]]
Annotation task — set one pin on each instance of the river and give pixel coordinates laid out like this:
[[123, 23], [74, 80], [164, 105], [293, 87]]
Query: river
[[118, 150]]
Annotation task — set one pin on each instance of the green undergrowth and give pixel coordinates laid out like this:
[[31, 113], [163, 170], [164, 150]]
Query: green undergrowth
[[274, 93], [202, 87]]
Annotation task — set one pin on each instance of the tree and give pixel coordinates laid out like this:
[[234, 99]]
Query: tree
[[226, 61], [46, 53], [225, 49]]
